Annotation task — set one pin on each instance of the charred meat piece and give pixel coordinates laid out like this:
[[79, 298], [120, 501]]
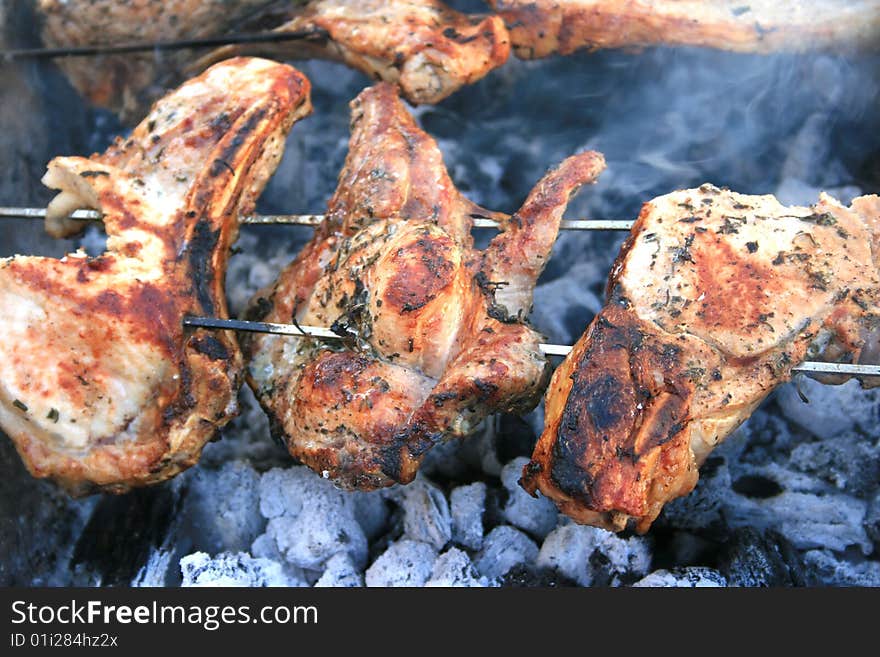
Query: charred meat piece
[[713, 300], [539, 28], [435, 330], [425, 47], [100, 386], [128, 83]]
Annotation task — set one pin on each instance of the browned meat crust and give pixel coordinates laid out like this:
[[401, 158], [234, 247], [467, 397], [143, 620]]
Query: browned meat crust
[[100, 386], [714, 298], [429, 350], [425, 47], [539, 28]]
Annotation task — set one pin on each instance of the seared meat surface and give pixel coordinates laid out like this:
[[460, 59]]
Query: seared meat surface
[[424, 46], [436, 338], [539, 28], [127, 83], [100, 386], [713, 300]]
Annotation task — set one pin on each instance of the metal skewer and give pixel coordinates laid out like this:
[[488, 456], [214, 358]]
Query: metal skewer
[[324, 333], [301, 331], [315, 219], [155, 46]]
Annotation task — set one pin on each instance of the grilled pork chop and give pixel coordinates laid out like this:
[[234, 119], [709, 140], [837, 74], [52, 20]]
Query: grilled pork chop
[[435, 331], [424, 46], [539, 28], [713, 300], [100, 386]]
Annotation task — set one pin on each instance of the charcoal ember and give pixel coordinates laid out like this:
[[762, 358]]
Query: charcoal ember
[[692, 577], [595, 557], [467, 505], [872, 521], [309, 519], [823, 567], [832, 410], [39, 525], [453, 568], [371, 512], [701, 510], [230, 569], [222, 508], [524, 575], [504, 548], [535, 515], [340, 571], [500, 438], [426, 512], [450, 460], [514, 437], [404, 563], [125, 531], [850, 462], [760, 558]]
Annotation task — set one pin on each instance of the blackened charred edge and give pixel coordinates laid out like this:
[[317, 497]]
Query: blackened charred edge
[[566, 474], [392, 462], [230, 150], [259, 309], [184, 400], [495, 310], [276, 428], [211, 347], [529, 479], [200, 253]]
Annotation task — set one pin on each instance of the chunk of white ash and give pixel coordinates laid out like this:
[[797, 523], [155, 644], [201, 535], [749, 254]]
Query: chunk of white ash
[[831, 410], [454, 568], [468, 503], [404, 563], [265, 547], [827, 568], [692, 577], [849, 461], [340, 572], [595, 557], [222, 507], [230, 569], [504, 548], [309, 519], [535, 515], [426, 512], [806, 510]]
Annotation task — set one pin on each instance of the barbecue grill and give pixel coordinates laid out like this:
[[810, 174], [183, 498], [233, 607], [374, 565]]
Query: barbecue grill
[[666, 119]]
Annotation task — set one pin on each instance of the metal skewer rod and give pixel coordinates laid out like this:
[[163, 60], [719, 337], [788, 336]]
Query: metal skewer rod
[[315, 219], [549, 349], [179, 44]]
